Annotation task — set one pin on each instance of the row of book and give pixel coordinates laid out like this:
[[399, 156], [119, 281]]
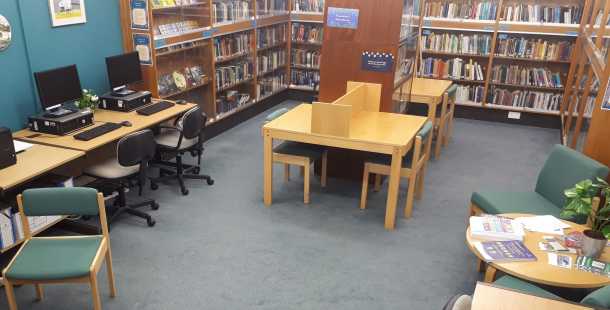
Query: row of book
[[266, 7], [525, 76], [305, 78], [231, 45], [179, 80], [539, 13], [11, 226], [454, 68], [478, 44], [306, 58], [176, 28], [533, 48], [227, 76], [469, 94], [230, 11], [156, 4], [271, 61], [479, 10], [536, 100], [308, 6], [404, 65], [310, 33], [229, 101], [270, 85], [270, 36]]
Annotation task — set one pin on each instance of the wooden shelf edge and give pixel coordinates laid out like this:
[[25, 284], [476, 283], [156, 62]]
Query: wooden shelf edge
[[43, 228]]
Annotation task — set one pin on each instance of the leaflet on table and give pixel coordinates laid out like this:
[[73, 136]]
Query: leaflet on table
[[592, 265], [547, 224], [495, 228], [504, 251], [558, 260], [21, 146]]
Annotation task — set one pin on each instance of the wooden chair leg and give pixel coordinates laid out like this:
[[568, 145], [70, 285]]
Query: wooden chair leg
[[110, 272], [365, 187], [95, 292], [410, 195], [306, 173], [286, 172], [421, 176], [377, 182], [450, 127], [439, 141], [10, 295], [324, 168], [39, 292]]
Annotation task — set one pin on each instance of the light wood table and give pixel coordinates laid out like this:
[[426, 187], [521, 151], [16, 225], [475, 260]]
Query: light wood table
[[34, 162], [540, 271], [378, 132], [489, 297], [431, 92], [138, 122]]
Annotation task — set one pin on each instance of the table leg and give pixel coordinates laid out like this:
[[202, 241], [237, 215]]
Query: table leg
[[390, 212], [268, 168], [480, 265], [490, 274]]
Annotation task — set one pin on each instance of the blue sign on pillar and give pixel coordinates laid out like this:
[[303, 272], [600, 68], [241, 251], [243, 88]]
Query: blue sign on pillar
[[342, 18], [378, 62]]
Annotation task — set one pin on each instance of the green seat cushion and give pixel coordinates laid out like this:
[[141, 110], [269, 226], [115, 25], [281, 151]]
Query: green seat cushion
[[514, 202], [520, 285], [386, 160], [55, 259], [299, 149], [599, 298]]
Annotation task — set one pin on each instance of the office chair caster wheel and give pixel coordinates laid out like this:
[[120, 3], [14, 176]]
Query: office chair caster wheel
[[185, 192], [154, 186], [155, 206], [210, 181], [151, 222]]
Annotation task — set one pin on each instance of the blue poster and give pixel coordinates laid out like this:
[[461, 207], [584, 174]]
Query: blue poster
[[378, 62], [342, 18], [139, 14], [141, 44]]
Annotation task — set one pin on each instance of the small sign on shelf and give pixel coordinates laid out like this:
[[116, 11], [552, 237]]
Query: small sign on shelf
[[378, 62]]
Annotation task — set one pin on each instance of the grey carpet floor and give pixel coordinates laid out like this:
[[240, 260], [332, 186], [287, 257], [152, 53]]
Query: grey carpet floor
[[220, 248]]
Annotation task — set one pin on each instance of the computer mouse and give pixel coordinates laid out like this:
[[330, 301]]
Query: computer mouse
[[126, 124], [181, 102]]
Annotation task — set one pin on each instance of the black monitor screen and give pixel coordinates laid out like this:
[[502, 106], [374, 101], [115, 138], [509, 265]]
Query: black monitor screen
[[58, 86], [124, 69]]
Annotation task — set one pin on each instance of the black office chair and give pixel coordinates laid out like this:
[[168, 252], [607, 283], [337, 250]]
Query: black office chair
[[134, 152], [186, 136]]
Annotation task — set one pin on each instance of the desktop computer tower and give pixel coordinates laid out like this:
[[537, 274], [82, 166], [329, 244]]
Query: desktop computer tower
[[7, 148], [61, 125], [125, 103]]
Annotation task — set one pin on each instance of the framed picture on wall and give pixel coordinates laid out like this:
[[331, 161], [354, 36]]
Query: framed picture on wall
[[67, 12]]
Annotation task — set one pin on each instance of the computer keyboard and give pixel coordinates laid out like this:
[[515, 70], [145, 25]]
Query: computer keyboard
[[97, 131], [155, 108]]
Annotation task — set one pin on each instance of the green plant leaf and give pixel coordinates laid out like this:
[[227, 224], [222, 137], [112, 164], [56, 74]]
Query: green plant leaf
[[606, 231]]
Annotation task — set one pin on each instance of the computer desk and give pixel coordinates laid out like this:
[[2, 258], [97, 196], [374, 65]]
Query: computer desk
[[139, 122]]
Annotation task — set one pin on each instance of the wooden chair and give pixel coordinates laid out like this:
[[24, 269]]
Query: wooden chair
[[449, 115], [413, 167], [52, 260]]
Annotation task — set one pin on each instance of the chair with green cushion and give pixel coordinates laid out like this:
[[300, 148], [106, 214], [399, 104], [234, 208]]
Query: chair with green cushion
[[413, 167], [598, 298], [69, 259], [451, 92], [563, 168]]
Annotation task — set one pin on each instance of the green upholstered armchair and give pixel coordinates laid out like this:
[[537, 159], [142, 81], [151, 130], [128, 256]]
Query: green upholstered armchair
[[69, 259], [563, 168], [599, 298]]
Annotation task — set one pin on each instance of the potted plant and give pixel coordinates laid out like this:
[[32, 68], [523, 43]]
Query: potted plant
[[89, 100], [583, 201]]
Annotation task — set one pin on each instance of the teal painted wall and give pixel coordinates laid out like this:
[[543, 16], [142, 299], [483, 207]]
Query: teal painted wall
[[85, 45]]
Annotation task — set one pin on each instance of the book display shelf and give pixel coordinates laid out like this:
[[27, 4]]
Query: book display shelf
[[407, 54]]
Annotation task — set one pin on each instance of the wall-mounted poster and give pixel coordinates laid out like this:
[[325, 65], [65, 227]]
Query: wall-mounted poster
[[139, 14], [67, 12], [141, 44], [378, 62], [5, 33], [342, 18]]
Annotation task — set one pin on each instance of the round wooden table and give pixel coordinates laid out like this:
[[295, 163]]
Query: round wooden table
[[540, 271]]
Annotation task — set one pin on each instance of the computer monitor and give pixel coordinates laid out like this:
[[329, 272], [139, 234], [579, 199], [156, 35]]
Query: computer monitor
[[57, 87], [123, 70]]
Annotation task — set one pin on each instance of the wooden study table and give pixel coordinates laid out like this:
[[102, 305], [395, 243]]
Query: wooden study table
[[139, 122], [377, 132], [490, 297]]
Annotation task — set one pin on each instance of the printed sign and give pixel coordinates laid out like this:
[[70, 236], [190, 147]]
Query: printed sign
[[378, 62], [141, 43], [139, 14], [342, 18]]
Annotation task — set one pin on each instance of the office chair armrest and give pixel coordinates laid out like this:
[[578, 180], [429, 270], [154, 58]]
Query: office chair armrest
[[170, 128], [177, 147]]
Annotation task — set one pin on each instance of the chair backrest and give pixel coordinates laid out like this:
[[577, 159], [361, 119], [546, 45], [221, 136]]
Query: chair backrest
[[563, 168], [136, 148], [599, 298], [193, 122], [452, 91]]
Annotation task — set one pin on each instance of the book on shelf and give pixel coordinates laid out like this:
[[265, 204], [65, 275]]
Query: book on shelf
[[179, 80], [230, 100], [308, 6], [232, 45], [540, 13], [176, 28], [536, 100], [304, 78], [270, 84], [182, 46], [525, 76], [271, 60], [306, 58], [270, 36], [157, 4], [455, 69], [495, 228], [529, 48], [267, 7], [309, 33], [469, 94], [478, 10], [229, 75], [504, 251], [477, 44], [230, 11]]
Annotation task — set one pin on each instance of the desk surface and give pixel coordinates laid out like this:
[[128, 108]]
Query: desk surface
[[540, 271], [430, 87], [389, 129], [34, 162], [138, 122], [489, 297]]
